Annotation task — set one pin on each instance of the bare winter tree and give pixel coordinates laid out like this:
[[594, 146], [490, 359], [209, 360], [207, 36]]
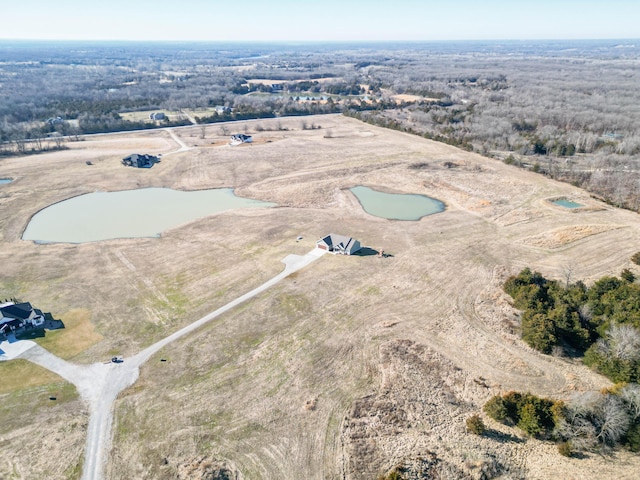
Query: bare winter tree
[[611, 420], [594, 418], [567, 272], [630, 395], [579, 431], [621, 342], [585, 313], [58, 140]]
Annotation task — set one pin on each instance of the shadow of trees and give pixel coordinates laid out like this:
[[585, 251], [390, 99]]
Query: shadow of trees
[[502, 437]]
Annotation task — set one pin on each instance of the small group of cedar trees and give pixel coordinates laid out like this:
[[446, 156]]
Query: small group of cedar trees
[[601, 323], [593, 420]]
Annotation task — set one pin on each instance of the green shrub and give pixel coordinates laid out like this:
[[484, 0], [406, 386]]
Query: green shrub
[[392, 475], [534, 415], [636, 258], [475, 425], [627, 275], [530, 420], [632, 438], [565, 449], [496, 409], [539, 331]]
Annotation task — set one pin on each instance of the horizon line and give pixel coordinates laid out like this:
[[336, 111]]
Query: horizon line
[[103, 40]]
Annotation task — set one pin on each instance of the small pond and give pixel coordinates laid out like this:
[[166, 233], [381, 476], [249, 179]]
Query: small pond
[[139, 213], [5, 180], [394, 206], [563, 202]]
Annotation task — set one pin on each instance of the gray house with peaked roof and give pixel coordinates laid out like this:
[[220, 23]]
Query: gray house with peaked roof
[[339, 244]]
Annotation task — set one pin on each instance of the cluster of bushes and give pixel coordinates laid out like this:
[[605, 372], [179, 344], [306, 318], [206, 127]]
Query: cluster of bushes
[[602, 322], [590, 420], [535, 416]]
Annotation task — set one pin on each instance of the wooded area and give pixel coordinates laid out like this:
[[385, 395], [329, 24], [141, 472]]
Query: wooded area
[[601, 324], [565, 109]]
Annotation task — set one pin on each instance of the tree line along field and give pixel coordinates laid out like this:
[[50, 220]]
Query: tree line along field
[[565, 109]]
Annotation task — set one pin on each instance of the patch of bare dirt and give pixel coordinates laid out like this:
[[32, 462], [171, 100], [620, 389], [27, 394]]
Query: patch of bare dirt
[[207, 469], [414, 423]]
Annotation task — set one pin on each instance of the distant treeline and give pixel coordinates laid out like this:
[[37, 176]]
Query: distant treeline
[[569, 110]]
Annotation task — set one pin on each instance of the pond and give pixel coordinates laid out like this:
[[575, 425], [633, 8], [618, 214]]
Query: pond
[[394, 206], [5, 180], [139, 213], [563, 202]]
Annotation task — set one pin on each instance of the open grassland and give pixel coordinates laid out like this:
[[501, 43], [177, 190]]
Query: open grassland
[[343, 370], [19, 374], [77, 335]]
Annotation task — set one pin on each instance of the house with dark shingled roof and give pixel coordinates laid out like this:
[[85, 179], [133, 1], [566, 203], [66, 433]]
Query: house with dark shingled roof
[[339, 244]]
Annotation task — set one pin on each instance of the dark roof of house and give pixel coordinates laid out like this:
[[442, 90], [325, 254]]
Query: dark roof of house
[[7, 324], [18, 310], [138, 160], [334, 239]]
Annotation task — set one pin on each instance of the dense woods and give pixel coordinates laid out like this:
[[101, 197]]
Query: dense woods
[[565, 109]]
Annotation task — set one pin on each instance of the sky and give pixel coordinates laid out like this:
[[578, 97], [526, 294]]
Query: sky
[[318, 20]]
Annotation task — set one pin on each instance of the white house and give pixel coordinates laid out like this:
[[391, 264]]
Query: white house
[[339, 244], [239, 138]]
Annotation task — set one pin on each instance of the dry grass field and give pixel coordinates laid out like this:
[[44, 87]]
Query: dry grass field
[[342, 371]]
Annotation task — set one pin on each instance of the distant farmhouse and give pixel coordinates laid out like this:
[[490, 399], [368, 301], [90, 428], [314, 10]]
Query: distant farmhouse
[[221, 109], [55, 121], [140, 161], [18, 318], [157, 116], [239, 138], [339, 244]]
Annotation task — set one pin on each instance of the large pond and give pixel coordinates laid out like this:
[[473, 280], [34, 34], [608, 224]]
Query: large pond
[[139, 213], [396, 206], [563, 202]]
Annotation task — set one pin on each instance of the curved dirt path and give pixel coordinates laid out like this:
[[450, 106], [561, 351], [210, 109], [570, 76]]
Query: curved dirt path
[[183, 146], [100, 383]]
